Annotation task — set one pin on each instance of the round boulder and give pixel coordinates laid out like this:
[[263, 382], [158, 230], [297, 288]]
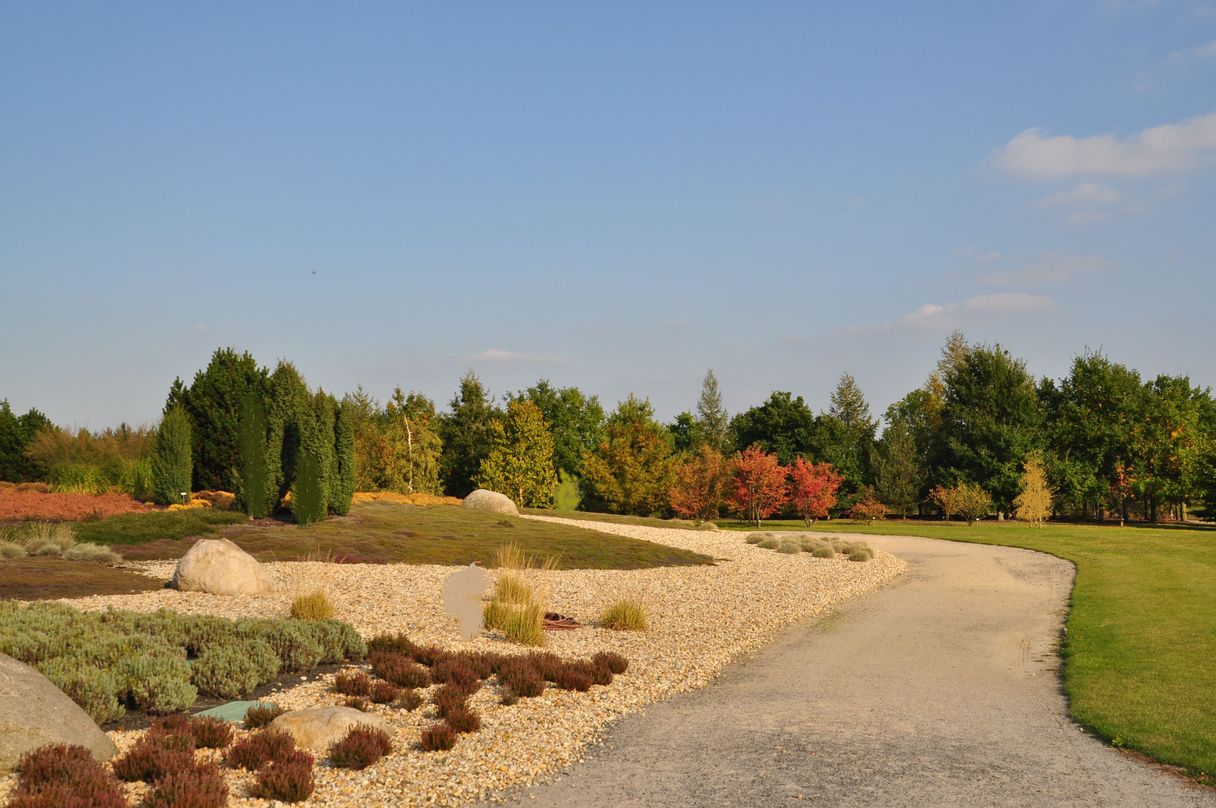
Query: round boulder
[[316, 728], [492, 501], [34, 713], [219, 567]]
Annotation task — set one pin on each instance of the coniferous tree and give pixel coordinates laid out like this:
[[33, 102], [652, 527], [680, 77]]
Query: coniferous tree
[[713, 422], [288, 412], [172, 458], [845, 435], [342, 487], [576, 421], [253, 493], [898, 474], [783, 425], [310, 497], [465, 432], [325, 412]]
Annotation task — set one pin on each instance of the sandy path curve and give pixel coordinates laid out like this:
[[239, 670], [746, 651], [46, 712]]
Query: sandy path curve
[[939, 690]]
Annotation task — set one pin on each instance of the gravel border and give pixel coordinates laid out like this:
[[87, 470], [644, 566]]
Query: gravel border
[[701, 618]]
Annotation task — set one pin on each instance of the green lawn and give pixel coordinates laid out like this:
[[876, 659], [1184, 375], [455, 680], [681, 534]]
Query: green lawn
[[379, 532], [135, 528], [1140, 653]]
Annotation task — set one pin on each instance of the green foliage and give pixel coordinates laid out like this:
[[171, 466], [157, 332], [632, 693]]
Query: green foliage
[[310, 499], [898, 474], [213, 402], [466, 435], [288, 411], [413, 450], [631, 469], [712, 425], [783, 425], [520, 461], [228, 672], [342, 486], [146, 526], [17, 433], [94, 689], [844, 436], [253, 494], [575, 420], [624, 615], [171, 458], [568, 495], [158, 684], [77, 478]]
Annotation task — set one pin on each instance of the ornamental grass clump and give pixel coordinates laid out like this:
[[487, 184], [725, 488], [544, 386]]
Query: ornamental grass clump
[[520, 624], [199, 785], [313, 606], [437, 738], [789, 548], [254, 751], [287, 780], [360, 748], [259, 715], [624, 615], [62, 775]]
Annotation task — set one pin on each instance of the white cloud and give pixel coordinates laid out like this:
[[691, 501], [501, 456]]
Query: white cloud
[[1083, 193], [934, 315], [504, 357], [1049, 268], [1207, 51], [1170, 148]]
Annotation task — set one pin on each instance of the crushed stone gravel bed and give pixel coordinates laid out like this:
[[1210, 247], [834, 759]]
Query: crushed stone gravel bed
[[701, 618]]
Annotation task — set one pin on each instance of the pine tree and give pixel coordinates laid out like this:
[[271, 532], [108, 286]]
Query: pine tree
[[172, 458], [1033, 504], [466, 435], [713, 422], [897, 469], [520, 462], [254, 492]]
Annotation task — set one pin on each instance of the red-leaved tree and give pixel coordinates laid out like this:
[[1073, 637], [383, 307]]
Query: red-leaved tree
[[813, 489], [758, 484], [700, 483]]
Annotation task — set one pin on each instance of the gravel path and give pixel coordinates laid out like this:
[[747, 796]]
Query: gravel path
[[702, 618], [941, 690]]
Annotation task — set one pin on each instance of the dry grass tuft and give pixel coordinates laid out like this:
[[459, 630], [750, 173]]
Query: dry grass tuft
[[313, 606], [625, 615]]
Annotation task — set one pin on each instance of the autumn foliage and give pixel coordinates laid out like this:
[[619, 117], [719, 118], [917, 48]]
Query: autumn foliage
[[699, 486], [758, 487], [812, 491]]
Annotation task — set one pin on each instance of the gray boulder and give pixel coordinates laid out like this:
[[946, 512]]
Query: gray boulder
[[315, 728], [219, 567], [492, 501], [34, 713]]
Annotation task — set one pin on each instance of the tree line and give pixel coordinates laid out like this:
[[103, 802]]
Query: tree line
[[1103, 441]]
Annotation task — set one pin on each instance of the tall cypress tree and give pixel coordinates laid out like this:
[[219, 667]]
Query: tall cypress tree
[[342, 487], [254, 491]]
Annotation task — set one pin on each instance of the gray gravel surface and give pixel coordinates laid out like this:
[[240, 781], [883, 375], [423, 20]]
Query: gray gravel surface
[[942, 689]]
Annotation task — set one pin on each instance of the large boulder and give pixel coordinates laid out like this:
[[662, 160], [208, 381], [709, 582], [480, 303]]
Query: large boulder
[[492, 501], [219, 567], [34, 713], [315, 728]]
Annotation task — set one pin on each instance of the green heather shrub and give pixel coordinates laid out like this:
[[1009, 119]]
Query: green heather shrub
[[624, 615], [789, 548], [259, 715], [227, 671], [158, 684], [313, 606], [171, 464]]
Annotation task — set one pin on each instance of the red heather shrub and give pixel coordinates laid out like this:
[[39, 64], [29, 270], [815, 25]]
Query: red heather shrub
[[286, 780], [457, 672], [600, 674], [360, 748], [195, 786], [356, 704], [463, 719], [254, 751], [399, 670], [352, 683], [508, 697], [63, 776], [521, 676], [428, 654], [53, 764], [438, 738], [210, 732], [573, 676], [259, 715], [155, 755], [757, 484], [383, 692], [612, 661], [547, 664], [391, 643], [174, 724], [447, 698], [409, 700], [813, 489]]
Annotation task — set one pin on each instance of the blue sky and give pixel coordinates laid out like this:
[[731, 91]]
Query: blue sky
[[615, 197]]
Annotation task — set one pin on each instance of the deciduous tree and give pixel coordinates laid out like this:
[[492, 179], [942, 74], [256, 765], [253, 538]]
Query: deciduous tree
[[758, 487], [812, 490], [699, 484], [783, 425], [1033, 503], [520, 462], [630, 470]]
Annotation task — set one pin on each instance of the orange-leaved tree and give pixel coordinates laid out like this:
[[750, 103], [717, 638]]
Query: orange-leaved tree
[[758, 484], [813, 488], [699, 486]]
